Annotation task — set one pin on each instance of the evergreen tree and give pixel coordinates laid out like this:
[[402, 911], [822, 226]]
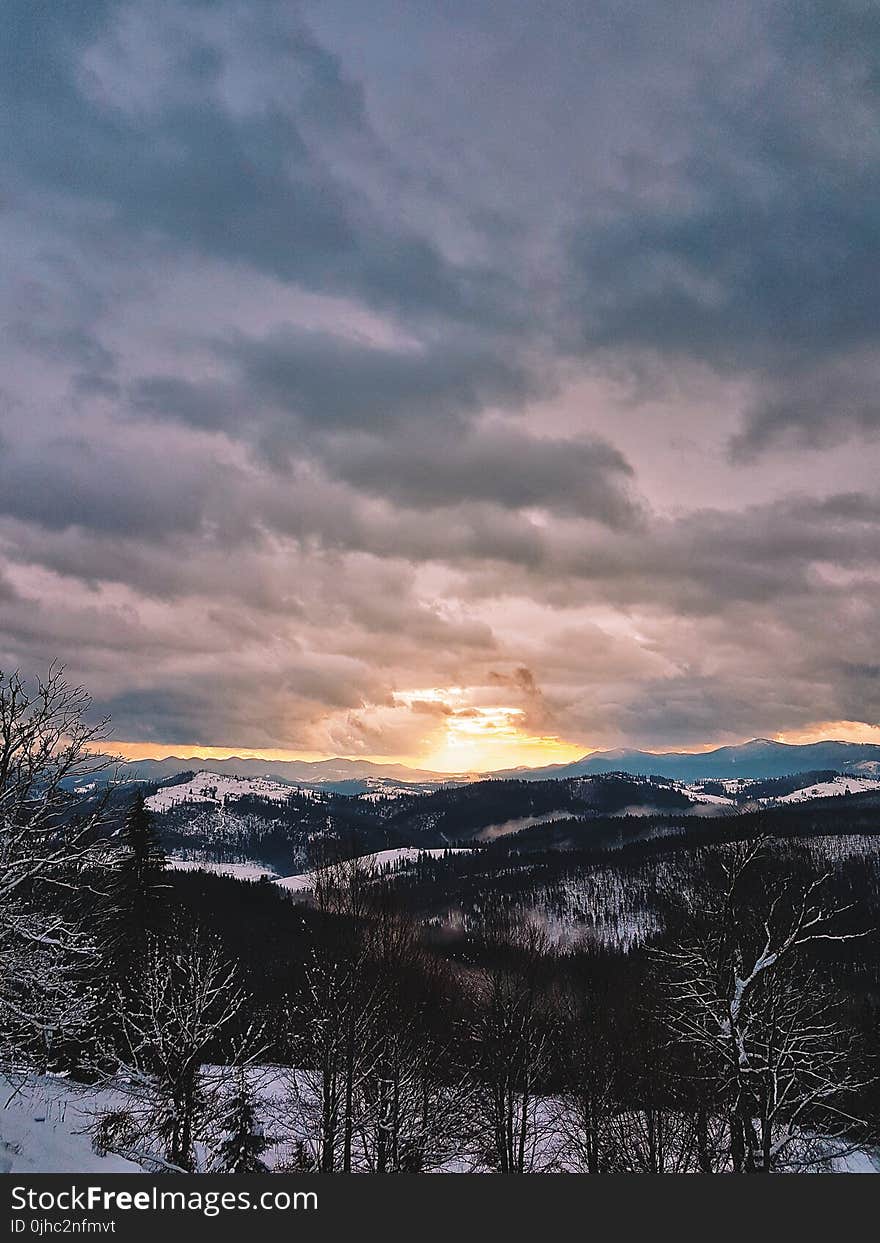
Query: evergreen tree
[[245, 1143], [137, 885]]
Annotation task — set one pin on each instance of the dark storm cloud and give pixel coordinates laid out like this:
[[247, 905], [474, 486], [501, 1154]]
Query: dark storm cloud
[[334, 382], [739, 594], [295, 295], [764, 258], [393, 423], [331, 382], [247, 188], [772, 557], [74, 482], [735, 683], [813, 406], [423, 469], [205, 710], [743, 275]]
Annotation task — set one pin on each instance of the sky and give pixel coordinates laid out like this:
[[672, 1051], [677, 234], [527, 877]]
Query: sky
[[454, 382]]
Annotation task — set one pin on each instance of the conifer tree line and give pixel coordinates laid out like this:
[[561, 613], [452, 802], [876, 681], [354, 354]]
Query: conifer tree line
[[726, 1048]]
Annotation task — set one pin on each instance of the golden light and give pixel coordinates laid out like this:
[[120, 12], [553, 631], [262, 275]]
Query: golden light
[[493, 741], [458, 734], [832, 731], [196, 751], [483, 737]]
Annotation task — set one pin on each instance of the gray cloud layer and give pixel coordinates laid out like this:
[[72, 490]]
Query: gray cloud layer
[[354, 351]]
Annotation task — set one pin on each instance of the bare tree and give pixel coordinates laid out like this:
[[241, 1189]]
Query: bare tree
[[187, 1002], [414, 1097], [764, 1026], [654, 1139], [334, 1019], [334, 1025], [49, 847], [512, 1036], [374, 1090], [585, 1108]]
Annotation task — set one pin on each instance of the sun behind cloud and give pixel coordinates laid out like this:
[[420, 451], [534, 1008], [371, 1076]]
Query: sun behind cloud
[[481, 737], [491, 739]]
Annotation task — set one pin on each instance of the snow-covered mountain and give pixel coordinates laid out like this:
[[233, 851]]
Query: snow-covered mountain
[[843, 784], [240, 822], [348, 776], [208, 790], [213, 789], [761, 758]]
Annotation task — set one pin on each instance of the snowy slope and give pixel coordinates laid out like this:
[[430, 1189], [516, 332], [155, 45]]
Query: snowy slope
[[42, 1121], [381, 861], [214, 789], [713, 800], [829, 789], [239, 871], [376, 788]]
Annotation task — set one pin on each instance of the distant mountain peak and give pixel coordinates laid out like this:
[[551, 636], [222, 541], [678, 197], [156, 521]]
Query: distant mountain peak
[[757, 758]]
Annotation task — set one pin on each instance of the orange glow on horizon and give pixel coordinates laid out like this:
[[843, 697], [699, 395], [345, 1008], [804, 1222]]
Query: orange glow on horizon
[[482, 739], [832, 731], [196, 751], [509, 751]]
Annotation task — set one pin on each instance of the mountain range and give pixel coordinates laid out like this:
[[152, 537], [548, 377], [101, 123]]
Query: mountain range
[[760, 758]]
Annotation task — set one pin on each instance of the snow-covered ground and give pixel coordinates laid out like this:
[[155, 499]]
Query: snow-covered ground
[[378, 788], [830, 789], [828, 849], [380, 861], [214, 789], [866, 768], [45, 1123], [848, 1162], [714, 800], [844, 783], [239, 871]]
